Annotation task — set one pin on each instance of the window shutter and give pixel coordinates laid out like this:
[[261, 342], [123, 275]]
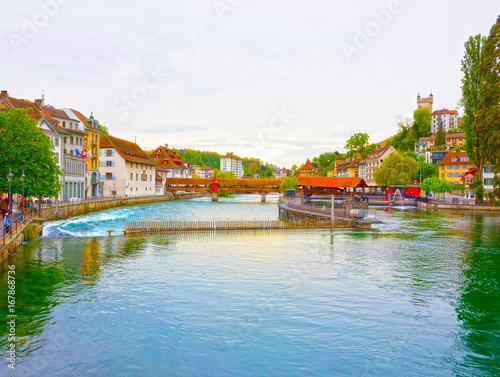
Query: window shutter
[[100, 153], [113, 177], [102, 177], [100, 164], [112, 152], [112, 163]]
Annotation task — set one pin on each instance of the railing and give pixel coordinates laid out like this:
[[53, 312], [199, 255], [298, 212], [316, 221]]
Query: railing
[[16, 226], [51, 202], [215, 225]]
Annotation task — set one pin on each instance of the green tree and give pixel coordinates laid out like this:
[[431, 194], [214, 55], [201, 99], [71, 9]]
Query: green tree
[[224, 174], [487, 122], [434, 184], [288, 183], [402, 141], [326, 161], [422, 120], [453, 131], [427, 171], [358, 144], [253, 168], [396, 170], [472, 83], [440, 137], [24, 146]]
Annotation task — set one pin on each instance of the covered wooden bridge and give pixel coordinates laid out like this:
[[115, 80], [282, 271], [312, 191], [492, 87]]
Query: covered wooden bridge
[[217, 185], [337, 186]]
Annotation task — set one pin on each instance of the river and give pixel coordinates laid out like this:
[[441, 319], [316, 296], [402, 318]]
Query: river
[[418, 295]]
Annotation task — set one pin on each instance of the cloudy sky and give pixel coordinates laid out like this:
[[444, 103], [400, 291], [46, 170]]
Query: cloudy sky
[[282, 80]]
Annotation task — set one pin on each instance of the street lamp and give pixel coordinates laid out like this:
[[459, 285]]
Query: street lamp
[[9, 178], [22, 183]]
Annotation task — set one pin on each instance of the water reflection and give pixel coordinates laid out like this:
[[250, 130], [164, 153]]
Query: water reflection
[[418, 295]]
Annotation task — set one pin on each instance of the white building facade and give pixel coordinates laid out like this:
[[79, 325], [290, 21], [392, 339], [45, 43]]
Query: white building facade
[[125, 169], [447, 118], [232, 163]]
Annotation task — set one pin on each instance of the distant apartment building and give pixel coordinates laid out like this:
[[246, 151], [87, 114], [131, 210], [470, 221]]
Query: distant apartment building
[[125, 168], [362, 169], [231, 162], [448, 119], [203, 171], [454, 166], [435, 157], [280, 173], [488, 176], [374, 161], [453, 140]]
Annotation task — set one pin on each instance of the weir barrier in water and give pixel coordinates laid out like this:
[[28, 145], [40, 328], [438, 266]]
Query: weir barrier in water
[[217, 225]]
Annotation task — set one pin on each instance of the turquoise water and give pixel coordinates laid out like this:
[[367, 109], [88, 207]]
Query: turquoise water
[[417, 296]]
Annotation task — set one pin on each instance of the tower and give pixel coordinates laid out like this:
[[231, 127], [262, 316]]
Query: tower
[[425, 102]]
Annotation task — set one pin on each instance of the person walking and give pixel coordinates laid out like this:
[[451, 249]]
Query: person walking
[[7, 222]]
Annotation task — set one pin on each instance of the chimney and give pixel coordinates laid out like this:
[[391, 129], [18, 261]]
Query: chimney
[[38, 103], [166, 145], [4, 93]]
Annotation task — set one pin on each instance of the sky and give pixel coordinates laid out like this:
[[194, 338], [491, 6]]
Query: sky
[[281, 80]]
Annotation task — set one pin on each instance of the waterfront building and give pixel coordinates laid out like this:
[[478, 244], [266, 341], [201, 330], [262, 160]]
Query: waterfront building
[[350, 167], [92, 131], [454, 166], [309, 170], [334, 171], [203, 171], [425, 102], [175, 166], [125, 168], [75, 167], [231, 162], [47, 123], [446, 118], [454, 140], [362, 169], [374, 161]]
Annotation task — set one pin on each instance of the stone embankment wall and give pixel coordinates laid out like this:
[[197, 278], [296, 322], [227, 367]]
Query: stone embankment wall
[[460, 207]]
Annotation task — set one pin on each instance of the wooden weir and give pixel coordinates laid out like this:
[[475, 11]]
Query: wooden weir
[[216, 225]]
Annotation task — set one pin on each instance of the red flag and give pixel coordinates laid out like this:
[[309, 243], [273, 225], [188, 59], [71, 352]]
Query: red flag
[[84, 153]]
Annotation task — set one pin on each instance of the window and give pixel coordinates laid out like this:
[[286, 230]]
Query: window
[[71, 139], [56, 142], [70, 125], [110, 163], [136, 177], [488, 169], [109, 153], [109, 175], [442, 175], [131, 176], [71, 152], [464, 159], [488, 181]]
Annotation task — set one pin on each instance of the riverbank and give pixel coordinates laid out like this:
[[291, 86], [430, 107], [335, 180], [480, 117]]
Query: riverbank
[[33, 228], [456, 206]]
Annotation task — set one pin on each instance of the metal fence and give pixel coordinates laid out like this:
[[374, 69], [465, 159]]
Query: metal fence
[[16, 226]]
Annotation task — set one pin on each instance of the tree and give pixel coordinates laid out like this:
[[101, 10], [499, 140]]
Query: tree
[[427, 170], [358, 144], [422, 121], [411, 154], [440, 137], [396, 170], [253, 168], [487, 122], [24, 146], [434, 184], [224, 174], [472, 83], [402, 141], [453, 131], [288, 183], [326, 161]]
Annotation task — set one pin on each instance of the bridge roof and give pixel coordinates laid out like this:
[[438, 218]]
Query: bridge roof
[[331, 182], [224, 181]]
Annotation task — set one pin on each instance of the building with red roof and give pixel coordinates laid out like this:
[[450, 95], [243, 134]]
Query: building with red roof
[[125, 169], [448, 119]]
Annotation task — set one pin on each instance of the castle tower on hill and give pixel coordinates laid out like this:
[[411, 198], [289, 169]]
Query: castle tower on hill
[[425, 102]]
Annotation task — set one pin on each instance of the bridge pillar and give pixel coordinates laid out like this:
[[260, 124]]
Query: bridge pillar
[[215, 196], [263, 197]]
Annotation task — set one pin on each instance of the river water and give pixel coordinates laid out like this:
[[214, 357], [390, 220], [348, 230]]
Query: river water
[[418, 295]]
